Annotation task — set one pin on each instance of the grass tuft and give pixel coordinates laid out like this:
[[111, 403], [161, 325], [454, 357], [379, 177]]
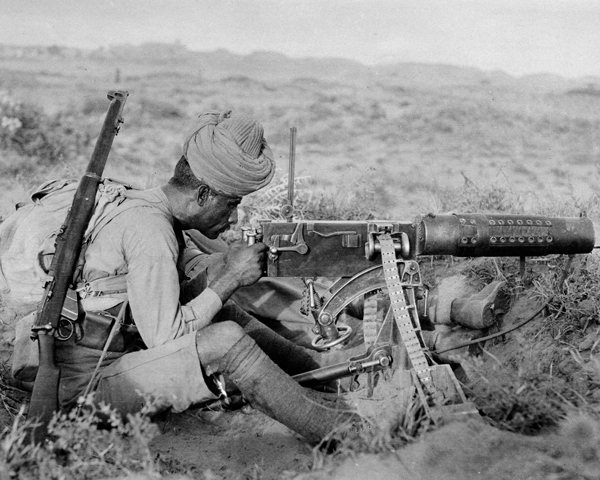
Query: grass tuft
[[374, 438], [95, 444], [551, 370], [525, 401], [358, 203]]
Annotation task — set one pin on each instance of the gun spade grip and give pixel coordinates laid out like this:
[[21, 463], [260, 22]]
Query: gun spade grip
[[501, 235]]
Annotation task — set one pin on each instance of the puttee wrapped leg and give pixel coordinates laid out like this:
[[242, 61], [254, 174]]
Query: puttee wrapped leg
[[271, 391]]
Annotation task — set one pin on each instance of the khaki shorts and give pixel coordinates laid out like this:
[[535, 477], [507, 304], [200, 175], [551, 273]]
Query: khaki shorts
[[170, 375]]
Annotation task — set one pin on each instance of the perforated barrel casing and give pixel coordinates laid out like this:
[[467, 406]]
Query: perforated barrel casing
[[500, 235]]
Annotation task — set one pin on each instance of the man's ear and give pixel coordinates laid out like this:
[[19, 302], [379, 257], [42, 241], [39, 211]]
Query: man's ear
[[202, 194]]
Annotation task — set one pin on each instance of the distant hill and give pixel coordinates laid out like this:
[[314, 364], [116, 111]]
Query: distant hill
[[271, 66], [431, 75]]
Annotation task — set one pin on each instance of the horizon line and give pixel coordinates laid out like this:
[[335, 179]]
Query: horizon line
[[178, 43]]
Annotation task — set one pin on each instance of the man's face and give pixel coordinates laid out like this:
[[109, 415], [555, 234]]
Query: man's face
[[220, 212]]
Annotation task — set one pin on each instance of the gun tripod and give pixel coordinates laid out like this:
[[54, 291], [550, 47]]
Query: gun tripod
[[392, 333]]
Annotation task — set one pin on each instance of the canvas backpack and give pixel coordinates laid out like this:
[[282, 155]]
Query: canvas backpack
[[27, 247], [27, 237]]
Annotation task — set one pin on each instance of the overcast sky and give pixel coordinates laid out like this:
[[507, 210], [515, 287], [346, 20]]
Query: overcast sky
[[517, 36]]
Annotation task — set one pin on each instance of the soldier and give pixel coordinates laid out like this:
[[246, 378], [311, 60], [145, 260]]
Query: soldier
[[183, 331], [188, 333]]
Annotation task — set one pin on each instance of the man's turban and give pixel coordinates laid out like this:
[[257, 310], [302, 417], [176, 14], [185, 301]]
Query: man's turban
[[229, 153]]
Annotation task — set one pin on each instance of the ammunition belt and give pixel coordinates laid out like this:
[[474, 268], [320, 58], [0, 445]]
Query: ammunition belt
[[401, 312], [371, 323]]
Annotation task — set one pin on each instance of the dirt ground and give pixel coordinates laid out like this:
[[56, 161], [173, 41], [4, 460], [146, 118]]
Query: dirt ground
[[247, 444]]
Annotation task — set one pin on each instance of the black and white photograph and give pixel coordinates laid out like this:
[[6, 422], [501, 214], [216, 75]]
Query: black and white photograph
[[300, 240]]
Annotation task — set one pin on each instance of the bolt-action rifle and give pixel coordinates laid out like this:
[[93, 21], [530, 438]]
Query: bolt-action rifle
[[381, 256], [57, 302]]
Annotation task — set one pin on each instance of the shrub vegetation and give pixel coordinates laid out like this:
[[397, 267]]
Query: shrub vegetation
[[30, 133]]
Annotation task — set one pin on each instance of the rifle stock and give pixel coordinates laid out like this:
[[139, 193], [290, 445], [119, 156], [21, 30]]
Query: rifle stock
[[44, 400]]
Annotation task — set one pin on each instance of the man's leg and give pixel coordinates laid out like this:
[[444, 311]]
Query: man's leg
[[291, 358], [225, 348], [169, 375]]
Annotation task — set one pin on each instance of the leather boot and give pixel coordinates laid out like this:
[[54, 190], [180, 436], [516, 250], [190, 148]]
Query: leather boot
[[480, 310]]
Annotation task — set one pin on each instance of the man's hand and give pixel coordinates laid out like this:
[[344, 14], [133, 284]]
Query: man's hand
[[240, 267], [245, 263]]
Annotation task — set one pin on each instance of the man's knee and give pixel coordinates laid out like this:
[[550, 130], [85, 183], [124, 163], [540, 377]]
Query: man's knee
[[231, 311], [214, 341]]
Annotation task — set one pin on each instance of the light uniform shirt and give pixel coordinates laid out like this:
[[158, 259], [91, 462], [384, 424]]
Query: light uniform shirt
[[144, 245]]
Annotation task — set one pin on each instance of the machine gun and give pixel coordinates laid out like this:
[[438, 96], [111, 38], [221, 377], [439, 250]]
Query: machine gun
[[354, 251], [381, 256]]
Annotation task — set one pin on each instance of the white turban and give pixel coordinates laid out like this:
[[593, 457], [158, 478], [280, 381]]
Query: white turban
[[229, 153]]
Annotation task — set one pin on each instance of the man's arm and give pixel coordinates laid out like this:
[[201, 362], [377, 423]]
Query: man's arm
[[198, 278], [153, 281], [224, 271], [239, 267]]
